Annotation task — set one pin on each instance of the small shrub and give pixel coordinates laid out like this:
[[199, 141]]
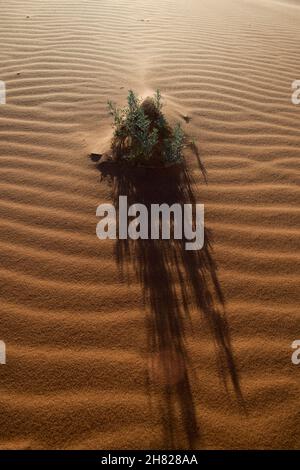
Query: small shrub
[[142, 135]]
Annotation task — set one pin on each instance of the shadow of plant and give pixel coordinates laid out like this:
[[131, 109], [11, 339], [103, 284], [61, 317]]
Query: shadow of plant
[[173, 281]]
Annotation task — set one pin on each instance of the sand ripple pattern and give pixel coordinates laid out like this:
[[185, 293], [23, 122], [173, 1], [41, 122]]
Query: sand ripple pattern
[[77, 332]]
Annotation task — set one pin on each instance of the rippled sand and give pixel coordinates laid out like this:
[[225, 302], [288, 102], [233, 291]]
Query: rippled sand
[[157, 349]]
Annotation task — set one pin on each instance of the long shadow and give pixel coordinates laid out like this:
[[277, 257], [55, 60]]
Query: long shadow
[[174, 282]]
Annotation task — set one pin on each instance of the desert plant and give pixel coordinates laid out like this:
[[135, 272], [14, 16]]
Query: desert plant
[[142, 134]]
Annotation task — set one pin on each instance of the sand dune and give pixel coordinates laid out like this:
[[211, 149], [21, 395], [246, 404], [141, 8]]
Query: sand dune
[[148, 351]]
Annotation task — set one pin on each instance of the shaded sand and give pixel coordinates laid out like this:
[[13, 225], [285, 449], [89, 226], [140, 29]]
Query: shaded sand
[[89, 364]]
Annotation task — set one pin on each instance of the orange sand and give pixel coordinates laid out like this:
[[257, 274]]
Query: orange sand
[[89, 364]]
